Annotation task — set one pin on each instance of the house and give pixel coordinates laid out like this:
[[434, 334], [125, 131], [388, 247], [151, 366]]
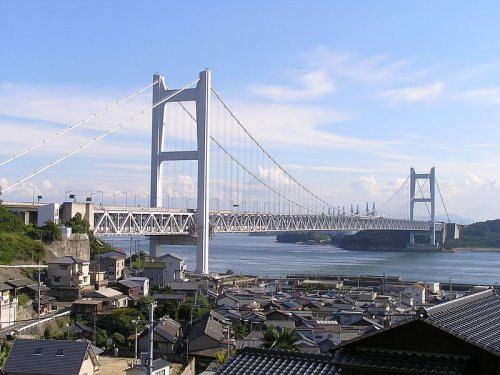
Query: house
[[68, 271], [113, 265], [456, 337], [112, 298], [81, 331], [143, 284], [55, 357], [160, 367], [167, 338], [87, 306], [163, 298], [256, 361], [228, 300], [417, 292], [8, 306], [175, 267], [130, 288], [206, 333], [46, 301], [19, 285], [156, 273]]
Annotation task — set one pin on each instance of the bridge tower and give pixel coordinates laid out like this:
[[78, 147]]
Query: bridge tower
[[201, 95], [431, 176]]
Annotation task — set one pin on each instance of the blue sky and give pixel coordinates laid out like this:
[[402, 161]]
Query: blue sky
[[363, 89]]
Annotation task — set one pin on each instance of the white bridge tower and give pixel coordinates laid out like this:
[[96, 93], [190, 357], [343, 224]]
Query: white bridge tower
[[201, 95], [431, 176]]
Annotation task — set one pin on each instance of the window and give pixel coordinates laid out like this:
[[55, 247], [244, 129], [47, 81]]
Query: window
[[38, 351], [64, 267], [60, 352], [57, 279]]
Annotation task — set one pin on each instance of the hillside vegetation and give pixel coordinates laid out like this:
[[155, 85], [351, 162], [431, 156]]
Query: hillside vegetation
[[15, 243], [374, 239], [482, 234]]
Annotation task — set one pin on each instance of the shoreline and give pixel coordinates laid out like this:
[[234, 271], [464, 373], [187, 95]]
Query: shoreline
[[475, 249]]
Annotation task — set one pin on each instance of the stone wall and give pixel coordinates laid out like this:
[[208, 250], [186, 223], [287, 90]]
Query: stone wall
[[78, 245]]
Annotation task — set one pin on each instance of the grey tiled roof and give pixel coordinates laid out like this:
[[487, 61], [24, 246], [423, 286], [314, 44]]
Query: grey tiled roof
[[401, 361], [475, 318], [260, 361], [41, 357], [17, 283], [206, 326]]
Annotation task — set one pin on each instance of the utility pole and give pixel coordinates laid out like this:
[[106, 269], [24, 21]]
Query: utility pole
[[151, 337]]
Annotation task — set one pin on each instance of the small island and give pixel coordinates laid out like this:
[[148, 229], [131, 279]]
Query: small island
[[477, 236]]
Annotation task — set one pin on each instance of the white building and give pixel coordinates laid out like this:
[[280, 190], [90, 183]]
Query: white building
[[175, 266], [49, 212], [143, 282], [68, 271], [417, 292], [8, 306]]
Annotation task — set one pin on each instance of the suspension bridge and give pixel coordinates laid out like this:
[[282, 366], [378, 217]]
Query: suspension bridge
[[239, 186]]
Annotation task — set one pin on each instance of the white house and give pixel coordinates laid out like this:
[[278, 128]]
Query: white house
[[8, 306], [417, 292], [68, 271], [144, 284], [175, 267]]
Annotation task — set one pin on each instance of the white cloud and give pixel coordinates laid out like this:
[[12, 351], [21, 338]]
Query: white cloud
[[313, 84], [415, 94], [481, 96], [296, 126], [376, 69], [474, 181]]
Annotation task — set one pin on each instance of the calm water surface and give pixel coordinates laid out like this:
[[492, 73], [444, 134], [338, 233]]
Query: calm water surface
[[263, 256]]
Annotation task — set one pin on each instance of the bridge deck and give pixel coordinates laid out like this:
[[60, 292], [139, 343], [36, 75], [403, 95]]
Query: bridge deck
[[160, 222]]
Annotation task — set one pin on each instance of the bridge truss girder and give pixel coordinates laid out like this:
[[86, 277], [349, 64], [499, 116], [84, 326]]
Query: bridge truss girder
[[155, 222]]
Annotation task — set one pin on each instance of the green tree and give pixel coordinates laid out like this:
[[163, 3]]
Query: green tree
[[284, 338], [241, 331], [10, 222], [4, 353], [78, 224], [121, 320], [119, 339], [101, 338], [51, 232], [168, 308], [143, 304]]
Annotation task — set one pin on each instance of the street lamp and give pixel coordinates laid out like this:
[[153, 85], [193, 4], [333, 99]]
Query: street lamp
[[140, 195], [120, 193], [102, 196], [33, 190]]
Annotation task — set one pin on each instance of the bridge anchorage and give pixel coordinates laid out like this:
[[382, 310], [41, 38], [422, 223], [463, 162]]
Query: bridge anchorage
[[306, 211]]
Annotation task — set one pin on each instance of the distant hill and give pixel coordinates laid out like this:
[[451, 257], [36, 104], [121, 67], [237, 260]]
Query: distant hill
[[455, 219], [481, 234], [376, 239]]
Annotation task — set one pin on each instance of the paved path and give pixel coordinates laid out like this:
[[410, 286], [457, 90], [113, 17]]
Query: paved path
[[117, 365]]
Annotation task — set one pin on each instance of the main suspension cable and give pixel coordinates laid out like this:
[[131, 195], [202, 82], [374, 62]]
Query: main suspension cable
[[79, 124], [101, 136]]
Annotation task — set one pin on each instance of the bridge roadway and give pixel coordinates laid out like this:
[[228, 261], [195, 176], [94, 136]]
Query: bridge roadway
[[162, 221]]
